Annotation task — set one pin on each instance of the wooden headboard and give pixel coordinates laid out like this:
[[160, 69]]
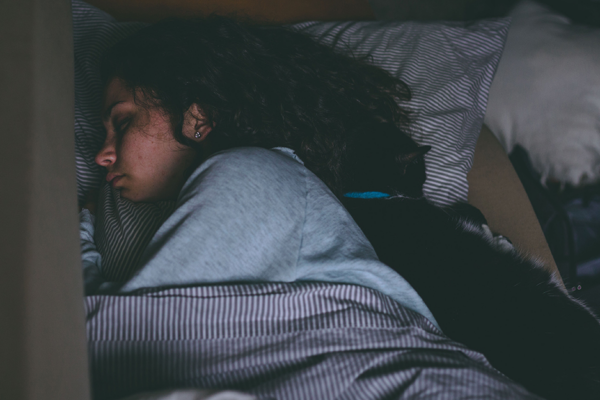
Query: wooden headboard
[[264, 11]]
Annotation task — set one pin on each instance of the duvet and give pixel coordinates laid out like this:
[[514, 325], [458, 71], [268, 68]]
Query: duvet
[[281, 341]]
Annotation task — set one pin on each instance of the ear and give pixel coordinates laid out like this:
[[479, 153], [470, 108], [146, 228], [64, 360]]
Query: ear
[[407, 158], [422, 150], [195, 124], [404, 160]]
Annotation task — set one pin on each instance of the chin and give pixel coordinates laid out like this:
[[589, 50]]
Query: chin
[[144, 197], [132, 195]]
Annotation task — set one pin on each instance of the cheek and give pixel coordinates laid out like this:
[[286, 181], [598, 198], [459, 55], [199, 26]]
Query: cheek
[[165, 167], [133, 154], [156, 164]]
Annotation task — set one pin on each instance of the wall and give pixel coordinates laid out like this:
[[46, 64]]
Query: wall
[[42, 336]]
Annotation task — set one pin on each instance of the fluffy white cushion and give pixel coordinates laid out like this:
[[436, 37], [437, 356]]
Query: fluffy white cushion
[[546, 94]]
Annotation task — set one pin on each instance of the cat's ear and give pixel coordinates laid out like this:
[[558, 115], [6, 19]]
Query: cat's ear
[[406, 159], [423, 150]]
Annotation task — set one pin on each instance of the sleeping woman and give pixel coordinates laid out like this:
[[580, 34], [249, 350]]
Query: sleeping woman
[[252, 138]]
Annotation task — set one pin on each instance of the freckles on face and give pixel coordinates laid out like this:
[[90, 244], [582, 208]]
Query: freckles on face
[[142, 157]]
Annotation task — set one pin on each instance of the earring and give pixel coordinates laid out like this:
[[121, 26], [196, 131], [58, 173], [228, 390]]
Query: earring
[[198, 135]]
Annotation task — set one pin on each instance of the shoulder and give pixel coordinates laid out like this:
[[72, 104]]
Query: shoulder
[[249, 171], [248, 160]]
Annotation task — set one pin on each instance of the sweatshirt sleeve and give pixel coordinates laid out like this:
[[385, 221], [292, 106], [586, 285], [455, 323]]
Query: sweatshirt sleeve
[[90, 257]]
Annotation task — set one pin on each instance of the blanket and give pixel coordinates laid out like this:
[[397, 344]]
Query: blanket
[[281, 341]]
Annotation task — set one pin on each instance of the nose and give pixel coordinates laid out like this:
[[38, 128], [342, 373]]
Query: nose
[[107, 155]]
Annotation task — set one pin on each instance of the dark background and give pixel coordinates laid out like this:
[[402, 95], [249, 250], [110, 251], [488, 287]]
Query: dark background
[[585, 12]]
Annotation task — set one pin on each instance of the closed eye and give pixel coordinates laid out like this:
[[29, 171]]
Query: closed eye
[[121, 126]]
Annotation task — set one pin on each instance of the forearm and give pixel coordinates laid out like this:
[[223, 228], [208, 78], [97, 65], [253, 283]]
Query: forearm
[[505, 204]]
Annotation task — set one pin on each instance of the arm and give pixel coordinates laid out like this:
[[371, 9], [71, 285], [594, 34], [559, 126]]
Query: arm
[[495, 189]]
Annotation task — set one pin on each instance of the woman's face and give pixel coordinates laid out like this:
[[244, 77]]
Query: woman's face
[[141, 155]]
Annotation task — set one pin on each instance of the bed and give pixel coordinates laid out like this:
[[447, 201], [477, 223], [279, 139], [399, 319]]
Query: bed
[[44, 341]]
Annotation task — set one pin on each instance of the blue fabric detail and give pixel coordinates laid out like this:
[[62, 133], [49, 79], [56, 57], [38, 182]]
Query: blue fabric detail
[[366, 195]]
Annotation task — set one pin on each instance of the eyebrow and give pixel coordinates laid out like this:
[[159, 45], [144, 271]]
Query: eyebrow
[[106, 114]]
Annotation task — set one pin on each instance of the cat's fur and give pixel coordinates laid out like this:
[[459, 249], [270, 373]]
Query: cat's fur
[[493, 300]]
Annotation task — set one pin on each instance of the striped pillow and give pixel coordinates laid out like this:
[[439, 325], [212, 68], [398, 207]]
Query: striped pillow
[[448, 66]]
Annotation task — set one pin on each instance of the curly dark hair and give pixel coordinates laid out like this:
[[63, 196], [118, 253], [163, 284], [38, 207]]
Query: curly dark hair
[[259, 86]]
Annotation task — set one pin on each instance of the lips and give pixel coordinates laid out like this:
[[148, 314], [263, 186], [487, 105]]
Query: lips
[[113, 178]]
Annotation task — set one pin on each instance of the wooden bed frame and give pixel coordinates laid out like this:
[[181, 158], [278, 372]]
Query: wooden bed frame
[[42, 327]]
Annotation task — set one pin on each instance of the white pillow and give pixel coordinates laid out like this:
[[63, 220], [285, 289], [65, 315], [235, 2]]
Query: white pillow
[[546, 94]]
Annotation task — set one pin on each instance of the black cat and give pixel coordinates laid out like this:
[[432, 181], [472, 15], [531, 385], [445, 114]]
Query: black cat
[[489, 298]]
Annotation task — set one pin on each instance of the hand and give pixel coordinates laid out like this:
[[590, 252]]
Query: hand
[[91, 200]]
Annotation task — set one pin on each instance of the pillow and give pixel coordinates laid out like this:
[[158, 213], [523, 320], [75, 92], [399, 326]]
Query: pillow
[[448, 66], [546, 94], [94, 31]]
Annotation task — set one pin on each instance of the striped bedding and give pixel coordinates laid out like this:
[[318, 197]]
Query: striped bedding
[[281, 341]]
